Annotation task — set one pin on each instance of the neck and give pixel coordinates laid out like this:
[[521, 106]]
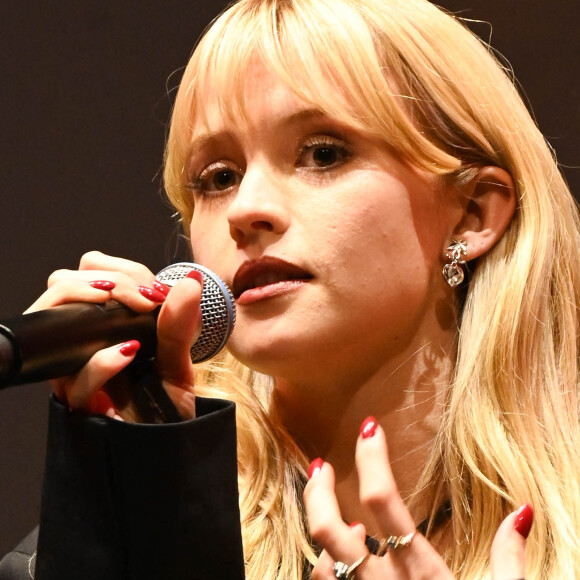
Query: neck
[[405, 395]]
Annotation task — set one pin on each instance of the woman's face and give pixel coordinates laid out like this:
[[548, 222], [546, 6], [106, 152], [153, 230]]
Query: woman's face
[[332, 245]]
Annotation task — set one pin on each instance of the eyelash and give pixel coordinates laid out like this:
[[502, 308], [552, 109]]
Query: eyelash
[[312, 144], [198, 184], [338, 149]]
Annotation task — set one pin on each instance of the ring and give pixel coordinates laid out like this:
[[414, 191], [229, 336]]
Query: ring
[[345, 572], [393, 543]]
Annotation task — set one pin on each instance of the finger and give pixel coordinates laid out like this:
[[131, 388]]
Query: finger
[[324, 519], [377, 486], [178, 327], [101, 368], [359, 529], [323, 568], [508, 551], [99, 261], [136, 298], [64, 285], [67, 291], [379, 494], [140, 294], [102, 404]]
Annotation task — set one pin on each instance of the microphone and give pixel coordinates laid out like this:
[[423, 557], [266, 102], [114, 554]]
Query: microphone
[[58, 341]]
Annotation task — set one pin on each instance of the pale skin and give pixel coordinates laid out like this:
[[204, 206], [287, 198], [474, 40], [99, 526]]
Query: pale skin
[[371, 232]]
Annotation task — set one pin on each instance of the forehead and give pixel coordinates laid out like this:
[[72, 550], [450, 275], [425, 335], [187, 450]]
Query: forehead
[[263, 106], [263, 99]]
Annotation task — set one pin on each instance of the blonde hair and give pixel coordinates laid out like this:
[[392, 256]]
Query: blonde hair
[[415, 77]]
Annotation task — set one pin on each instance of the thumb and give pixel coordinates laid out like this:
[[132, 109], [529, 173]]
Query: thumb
[[178, 326], [508, 551]]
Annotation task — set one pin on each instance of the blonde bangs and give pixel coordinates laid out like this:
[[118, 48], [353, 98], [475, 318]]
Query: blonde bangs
[[333, 57]]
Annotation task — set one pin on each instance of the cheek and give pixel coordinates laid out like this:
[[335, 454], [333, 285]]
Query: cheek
[[387, 242], [372, 230], [209, 236]]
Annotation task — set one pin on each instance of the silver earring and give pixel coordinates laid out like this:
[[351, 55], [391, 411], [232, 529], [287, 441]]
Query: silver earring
[[453, 272]]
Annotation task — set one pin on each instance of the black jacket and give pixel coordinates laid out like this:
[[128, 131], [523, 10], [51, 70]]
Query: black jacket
[[126, 501]]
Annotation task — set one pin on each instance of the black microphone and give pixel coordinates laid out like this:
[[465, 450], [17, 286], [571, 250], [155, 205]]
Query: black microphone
[[58, 341]]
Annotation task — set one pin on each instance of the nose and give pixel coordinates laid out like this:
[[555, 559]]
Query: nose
[[259, 210]]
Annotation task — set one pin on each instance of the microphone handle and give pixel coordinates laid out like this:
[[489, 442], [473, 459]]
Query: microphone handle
[[58, 341]]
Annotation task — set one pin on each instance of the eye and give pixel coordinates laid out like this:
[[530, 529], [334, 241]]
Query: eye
[[322, 152], [218, 178]]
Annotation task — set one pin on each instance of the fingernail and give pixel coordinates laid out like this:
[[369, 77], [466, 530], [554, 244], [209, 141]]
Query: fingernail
[[524, 520], [196, 275], [152, 294], [368, 427], [315, 467], [161, 287], [130, 347], [353, 524], [101, 404], [102, 284]]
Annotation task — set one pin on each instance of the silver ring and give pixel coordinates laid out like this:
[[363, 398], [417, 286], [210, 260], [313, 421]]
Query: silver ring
[[395, 542], [340, 570], [345, 572]]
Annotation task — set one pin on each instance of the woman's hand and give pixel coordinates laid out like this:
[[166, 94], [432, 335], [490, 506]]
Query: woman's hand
[[379, 494], [96, 387]]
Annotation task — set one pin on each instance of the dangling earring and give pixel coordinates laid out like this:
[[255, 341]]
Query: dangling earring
[[453, 272]]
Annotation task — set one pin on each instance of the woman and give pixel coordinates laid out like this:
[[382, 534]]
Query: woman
[[404, 254]]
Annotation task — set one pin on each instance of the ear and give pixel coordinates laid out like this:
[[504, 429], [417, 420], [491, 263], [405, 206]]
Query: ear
[[489, 203]]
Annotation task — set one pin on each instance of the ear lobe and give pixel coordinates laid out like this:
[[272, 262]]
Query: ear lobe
[[488, 210]]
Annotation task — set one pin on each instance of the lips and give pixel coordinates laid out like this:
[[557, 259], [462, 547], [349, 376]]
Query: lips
[[266, 271]]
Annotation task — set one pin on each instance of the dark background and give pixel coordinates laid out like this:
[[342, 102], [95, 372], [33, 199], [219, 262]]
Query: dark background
[[85, 93]]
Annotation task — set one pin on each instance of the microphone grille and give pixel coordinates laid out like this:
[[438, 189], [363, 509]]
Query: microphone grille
[[218, 310]]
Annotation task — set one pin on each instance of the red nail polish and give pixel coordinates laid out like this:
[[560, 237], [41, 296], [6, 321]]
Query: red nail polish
[[151, 294], [161, 287], [315, 467], [130, 347], [368, 427], [353, 524], [102, 284], [196, 275], [524, 520]]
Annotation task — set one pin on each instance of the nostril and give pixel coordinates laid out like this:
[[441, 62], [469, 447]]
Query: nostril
[[262, 225]]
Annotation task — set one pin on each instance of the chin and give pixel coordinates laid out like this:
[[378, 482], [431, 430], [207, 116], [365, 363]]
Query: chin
[[261, 358], [268, 355]]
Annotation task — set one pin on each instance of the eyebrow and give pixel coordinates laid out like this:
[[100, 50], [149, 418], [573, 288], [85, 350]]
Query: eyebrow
[[302, 116]]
